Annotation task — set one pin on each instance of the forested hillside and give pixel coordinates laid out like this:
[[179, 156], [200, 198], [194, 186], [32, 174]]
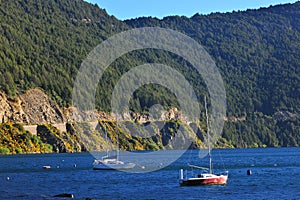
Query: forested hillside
[[43, 43], [255, 50]]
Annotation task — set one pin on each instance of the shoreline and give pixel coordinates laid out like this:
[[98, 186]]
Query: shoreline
[[140, 151]]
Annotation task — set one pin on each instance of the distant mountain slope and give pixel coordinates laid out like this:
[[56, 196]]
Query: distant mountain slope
[[257, 52], [43, 42]]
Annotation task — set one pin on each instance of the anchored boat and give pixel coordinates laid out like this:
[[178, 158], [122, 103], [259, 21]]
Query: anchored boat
[[208, 178]]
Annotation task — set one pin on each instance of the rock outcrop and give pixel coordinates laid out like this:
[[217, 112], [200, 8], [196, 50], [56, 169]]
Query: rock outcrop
[[32, 107], [36, 107], [40, 109], [11, 110], [285, 116], [153, 131]]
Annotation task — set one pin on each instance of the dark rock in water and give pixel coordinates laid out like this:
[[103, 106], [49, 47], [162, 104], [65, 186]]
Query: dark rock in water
[[65, 195], [249, 172]]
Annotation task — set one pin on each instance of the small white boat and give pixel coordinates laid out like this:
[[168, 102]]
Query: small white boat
[[46, 167], [112, 163]]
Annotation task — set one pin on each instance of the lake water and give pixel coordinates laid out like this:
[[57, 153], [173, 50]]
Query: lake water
[[275, 175]]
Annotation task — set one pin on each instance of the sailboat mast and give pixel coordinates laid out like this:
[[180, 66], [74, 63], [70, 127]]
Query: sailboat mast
[[106, 140], [208, 137], [117, 138]]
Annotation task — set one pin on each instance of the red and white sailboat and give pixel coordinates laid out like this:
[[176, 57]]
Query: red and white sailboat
[[208, 178]]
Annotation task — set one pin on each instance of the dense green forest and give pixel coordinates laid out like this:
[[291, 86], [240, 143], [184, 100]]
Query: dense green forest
[[43, 43], [255, 50]]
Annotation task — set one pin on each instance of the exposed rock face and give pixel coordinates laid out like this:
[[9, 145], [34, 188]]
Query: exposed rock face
[[285, 115], [172, 114], [40, 109], [235, 119], [33, 107], [73, 114], [11, 110]]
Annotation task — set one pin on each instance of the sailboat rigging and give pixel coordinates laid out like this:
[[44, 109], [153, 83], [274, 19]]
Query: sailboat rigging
[[108, 162], [204, 178]]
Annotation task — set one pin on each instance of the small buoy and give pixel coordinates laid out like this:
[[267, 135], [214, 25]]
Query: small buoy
[[46, 167], [249, 172], [7, 178], [74, 165]]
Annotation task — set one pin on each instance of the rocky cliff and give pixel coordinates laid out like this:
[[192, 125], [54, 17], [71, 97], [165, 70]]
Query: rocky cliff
[[83, 130], [32, 107], [36, 107]]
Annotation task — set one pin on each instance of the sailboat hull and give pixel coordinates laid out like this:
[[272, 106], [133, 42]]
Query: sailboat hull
[[113, 166], [215, 180]]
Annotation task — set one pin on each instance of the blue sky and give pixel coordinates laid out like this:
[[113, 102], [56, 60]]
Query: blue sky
[[126, 9]]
